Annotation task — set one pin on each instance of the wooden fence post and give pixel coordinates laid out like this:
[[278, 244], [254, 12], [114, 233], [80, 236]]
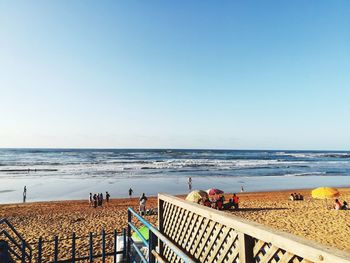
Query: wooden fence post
[[152, 243], [103, 246], [73, 247], [91, 251], [246, 246], [40, 245], [160, 224], [56, 250], [115, 246]]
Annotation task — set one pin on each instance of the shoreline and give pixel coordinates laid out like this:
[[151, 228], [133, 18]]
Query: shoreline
[[181, 195], [60, 189]]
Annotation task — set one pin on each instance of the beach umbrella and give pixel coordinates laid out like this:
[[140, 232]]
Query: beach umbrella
[[214, 191], [324, 193], [197, 195]]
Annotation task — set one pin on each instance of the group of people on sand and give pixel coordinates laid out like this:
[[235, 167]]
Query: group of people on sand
[[296, 197], [339, 206], [218, 202], [97, 199]]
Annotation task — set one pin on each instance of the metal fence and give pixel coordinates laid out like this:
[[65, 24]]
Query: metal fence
[[89, 248]]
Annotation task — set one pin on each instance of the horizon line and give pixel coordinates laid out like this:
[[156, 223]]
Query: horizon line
[[146, 148]]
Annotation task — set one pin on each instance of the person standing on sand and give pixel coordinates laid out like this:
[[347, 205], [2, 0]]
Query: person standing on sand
[[95, 200], [90, 200], [143, 200], [130, 192], [101, 199], [24, 194]]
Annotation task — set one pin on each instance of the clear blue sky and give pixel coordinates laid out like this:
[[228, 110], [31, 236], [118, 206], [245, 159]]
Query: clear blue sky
[[175, 74]]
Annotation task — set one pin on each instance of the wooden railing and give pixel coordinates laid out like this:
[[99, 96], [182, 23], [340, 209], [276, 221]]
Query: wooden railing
[[208, 235]]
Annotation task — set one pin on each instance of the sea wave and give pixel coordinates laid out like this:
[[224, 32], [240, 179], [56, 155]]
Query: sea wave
[[314, 155]]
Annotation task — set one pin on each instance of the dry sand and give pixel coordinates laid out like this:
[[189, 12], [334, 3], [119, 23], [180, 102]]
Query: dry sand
[[312, 219]]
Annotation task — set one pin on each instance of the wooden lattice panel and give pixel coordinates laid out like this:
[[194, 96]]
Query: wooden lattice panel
[[204, 239], [266, 252]]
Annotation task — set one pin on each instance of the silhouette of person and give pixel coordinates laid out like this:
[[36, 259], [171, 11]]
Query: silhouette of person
[[24, 194]]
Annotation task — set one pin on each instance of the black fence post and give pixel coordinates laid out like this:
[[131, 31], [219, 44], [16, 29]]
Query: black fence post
[[103, 246], [128, 238], [124, 243], [23, 248], [152, 243], [73, 247], [91, 253], [40, 247], [56, 249], [115, 246]]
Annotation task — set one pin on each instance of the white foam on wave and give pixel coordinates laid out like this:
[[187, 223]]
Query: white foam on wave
[[135, 166], [315, 155], [305, 174]]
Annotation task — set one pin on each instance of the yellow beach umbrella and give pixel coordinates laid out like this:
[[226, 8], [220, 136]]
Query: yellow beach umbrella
[[196, 195], [324, 192]]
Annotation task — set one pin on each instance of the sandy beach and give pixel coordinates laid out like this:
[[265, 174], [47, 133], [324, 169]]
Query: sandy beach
[[311, 219]]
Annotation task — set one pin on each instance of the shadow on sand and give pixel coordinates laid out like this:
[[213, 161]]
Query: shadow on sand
[[257, 209]]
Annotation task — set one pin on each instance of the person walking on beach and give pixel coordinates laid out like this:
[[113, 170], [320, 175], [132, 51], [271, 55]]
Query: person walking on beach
[[189, 183], [107, 197], [130, 192], [24, 194], [143, 200]]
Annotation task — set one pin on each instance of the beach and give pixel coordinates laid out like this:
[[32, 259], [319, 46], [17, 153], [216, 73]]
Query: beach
[[311, 219]]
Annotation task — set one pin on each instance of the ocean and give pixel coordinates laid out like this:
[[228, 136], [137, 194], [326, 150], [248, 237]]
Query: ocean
[[62, 174]]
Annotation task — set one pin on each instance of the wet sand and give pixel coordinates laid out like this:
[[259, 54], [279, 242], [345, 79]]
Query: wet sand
[[311, 219]]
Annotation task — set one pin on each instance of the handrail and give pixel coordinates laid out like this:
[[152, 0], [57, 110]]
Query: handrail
[[140, 253], [161, 237]]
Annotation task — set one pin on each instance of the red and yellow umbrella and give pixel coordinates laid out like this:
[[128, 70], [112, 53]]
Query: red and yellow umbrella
[[324, 193]]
